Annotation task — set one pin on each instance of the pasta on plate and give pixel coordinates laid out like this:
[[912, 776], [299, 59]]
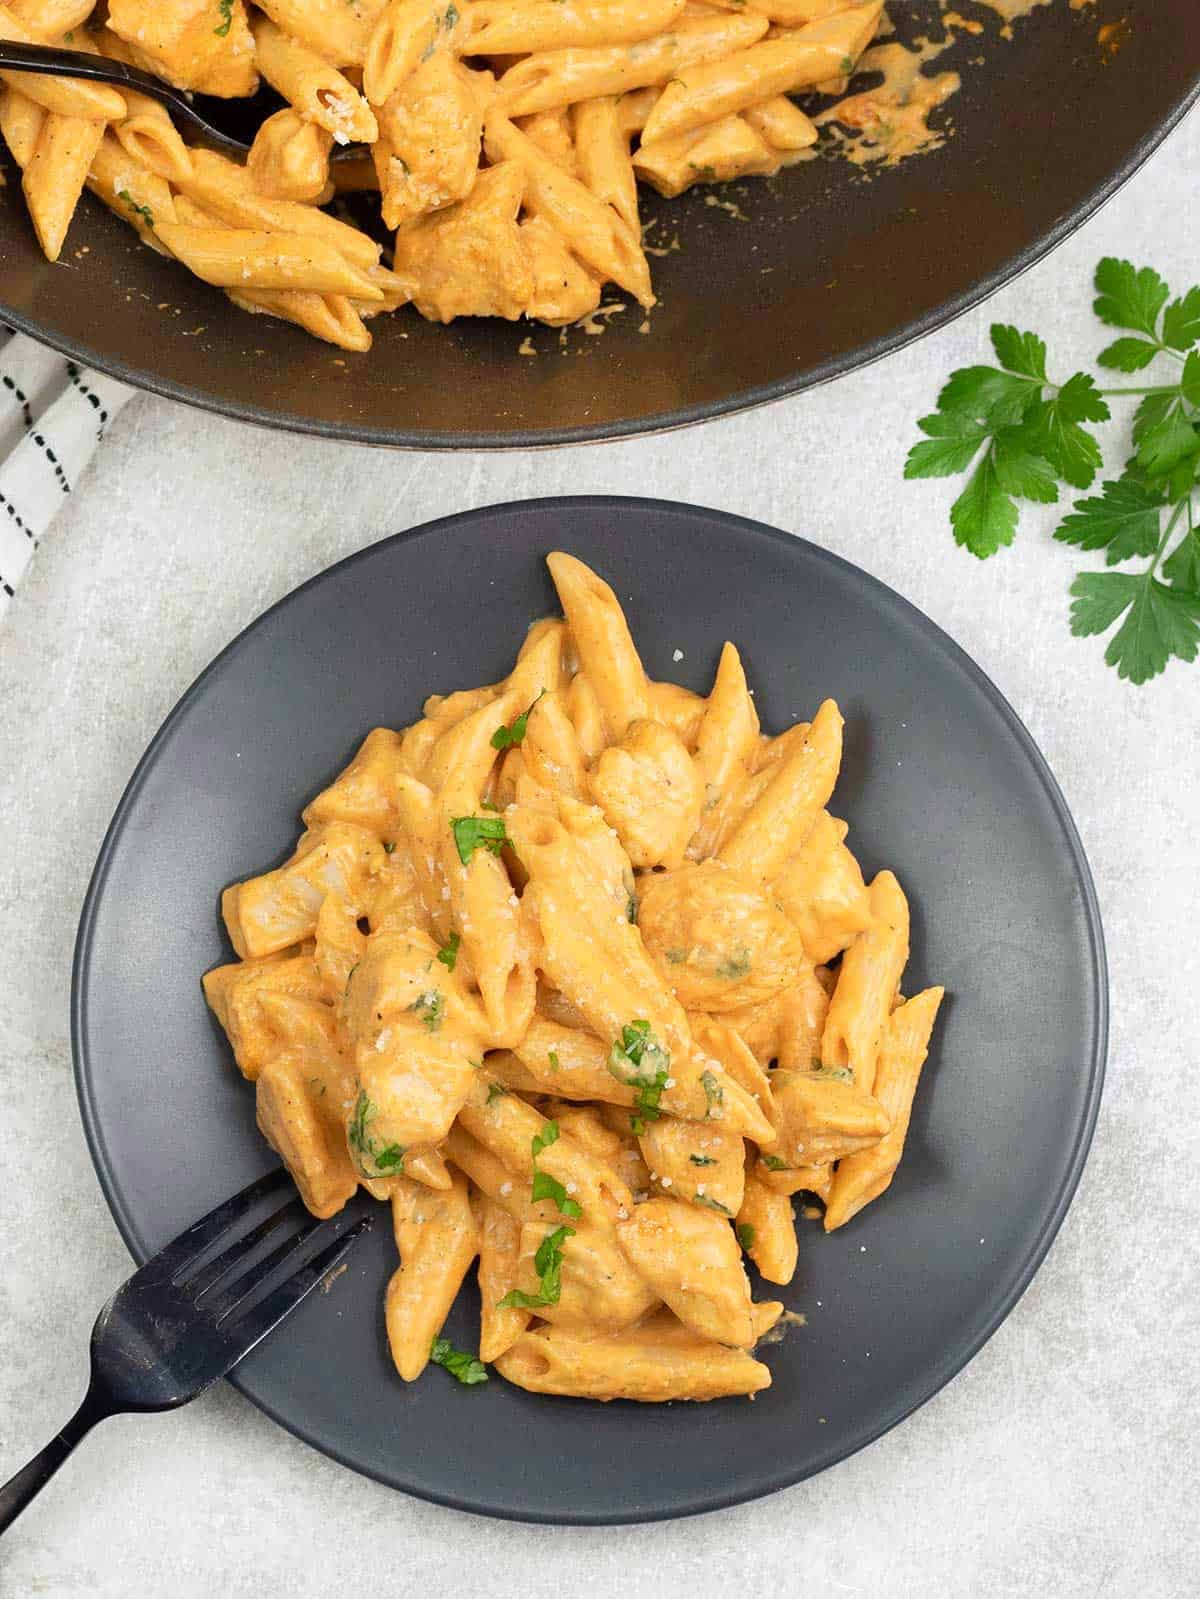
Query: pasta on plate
[[504, 141], [578, 973]]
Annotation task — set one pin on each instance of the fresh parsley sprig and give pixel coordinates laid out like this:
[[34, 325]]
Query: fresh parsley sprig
[[1021, 436]]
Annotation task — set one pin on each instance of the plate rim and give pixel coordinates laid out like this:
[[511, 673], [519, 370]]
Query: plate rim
[[947, 1369], [409, 438]]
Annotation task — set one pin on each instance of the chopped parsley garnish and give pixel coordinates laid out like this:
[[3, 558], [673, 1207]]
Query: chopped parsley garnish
[[714, 1094], [431, 1008], [448, 955], [478, 832], [545, 1186], [225, 7], [552, 1057], [496, 1091], [836, 1074], [710, 1203], [641, 1063], [745, 1235], [548, 1265], [736, 966], [467, 1368], [506, 738], [702, 1160], [387, 1159], [774, 1163], [631, 909], [142, 211]]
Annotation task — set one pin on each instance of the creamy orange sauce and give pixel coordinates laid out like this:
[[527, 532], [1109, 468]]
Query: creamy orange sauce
[[891, 121], [1012, 10]]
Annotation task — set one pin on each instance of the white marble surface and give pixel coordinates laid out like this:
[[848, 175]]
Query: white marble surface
[[1063, 1461]]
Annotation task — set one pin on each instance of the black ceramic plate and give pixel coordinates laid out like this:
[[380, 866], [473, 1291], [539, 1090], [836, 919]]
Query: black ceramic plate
[[820, 272], [940, 781]]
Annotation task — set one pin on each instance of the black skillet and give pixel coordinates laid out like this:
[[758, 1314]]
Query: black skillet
[[827, 270]]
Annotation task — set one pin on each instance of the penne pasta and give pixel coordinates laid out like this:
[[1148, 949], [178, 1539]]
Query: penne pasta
[[514, 981]]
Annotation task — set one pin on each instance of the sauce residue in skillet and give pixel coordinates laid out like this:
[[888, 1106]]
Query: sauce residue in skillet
[[890, 122]]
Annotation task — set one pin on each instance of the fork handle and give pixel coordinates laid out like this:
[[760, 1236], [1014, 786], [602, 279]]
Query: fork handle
[[18, 1491]]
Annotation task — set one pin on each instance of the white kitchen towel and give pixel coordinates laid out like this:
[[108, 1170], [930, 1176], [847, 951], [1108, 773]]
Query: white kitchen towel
[[52, 416]]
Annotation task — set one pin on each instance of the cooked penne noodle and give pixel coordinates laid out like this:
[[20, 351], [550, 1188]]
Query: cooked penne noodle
[[655, 1362], [54, 176], [715, 88], [499, 1257], [593, 230], [331, 317], [318, 91], [66, 97], [766, 1227], [562, 77], [602, 153], [21, 122], [862, 1177], [498, 28], [334, 30], [437, 1240], [797, 790], [867, 985]]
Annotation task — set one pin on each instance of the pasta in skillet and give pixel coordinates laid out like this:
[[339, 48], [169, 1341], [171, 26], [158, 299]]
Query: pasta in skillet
[[578, 973], [505, 142]]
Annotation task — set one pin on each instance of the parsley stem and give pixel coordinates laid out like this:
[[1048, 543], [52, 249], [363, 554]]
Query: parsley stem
[[1154, 388], [1170, 528]]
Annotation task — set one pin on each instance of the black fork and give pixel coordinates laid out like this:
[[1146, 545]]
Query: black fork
[[190, 1314]]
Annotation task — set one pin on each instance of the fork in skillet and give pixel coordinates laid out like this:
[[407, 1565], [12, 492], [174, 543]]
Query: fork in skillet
[[188, 1316]]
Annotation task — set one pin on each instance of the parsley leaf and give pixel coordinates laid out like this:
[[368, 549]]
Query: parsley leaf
[[495, 1091], [745, 1235], [1161, 621], [774, 1162], [1019, 352], [467, 1368], [478, 832], [984, 517], [448, 955], [1123, 521], [1128, 355], [989, 395], [702, 1160], [505, 738], [142, 211], [1129, 297], [1181, 321], [1182, 567], [953, 443], [714, 1094], [548, 1265], [710, 1203], [386, 1160], [225, 8], [640, 1062], [431, 1008], [545, 1186]]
